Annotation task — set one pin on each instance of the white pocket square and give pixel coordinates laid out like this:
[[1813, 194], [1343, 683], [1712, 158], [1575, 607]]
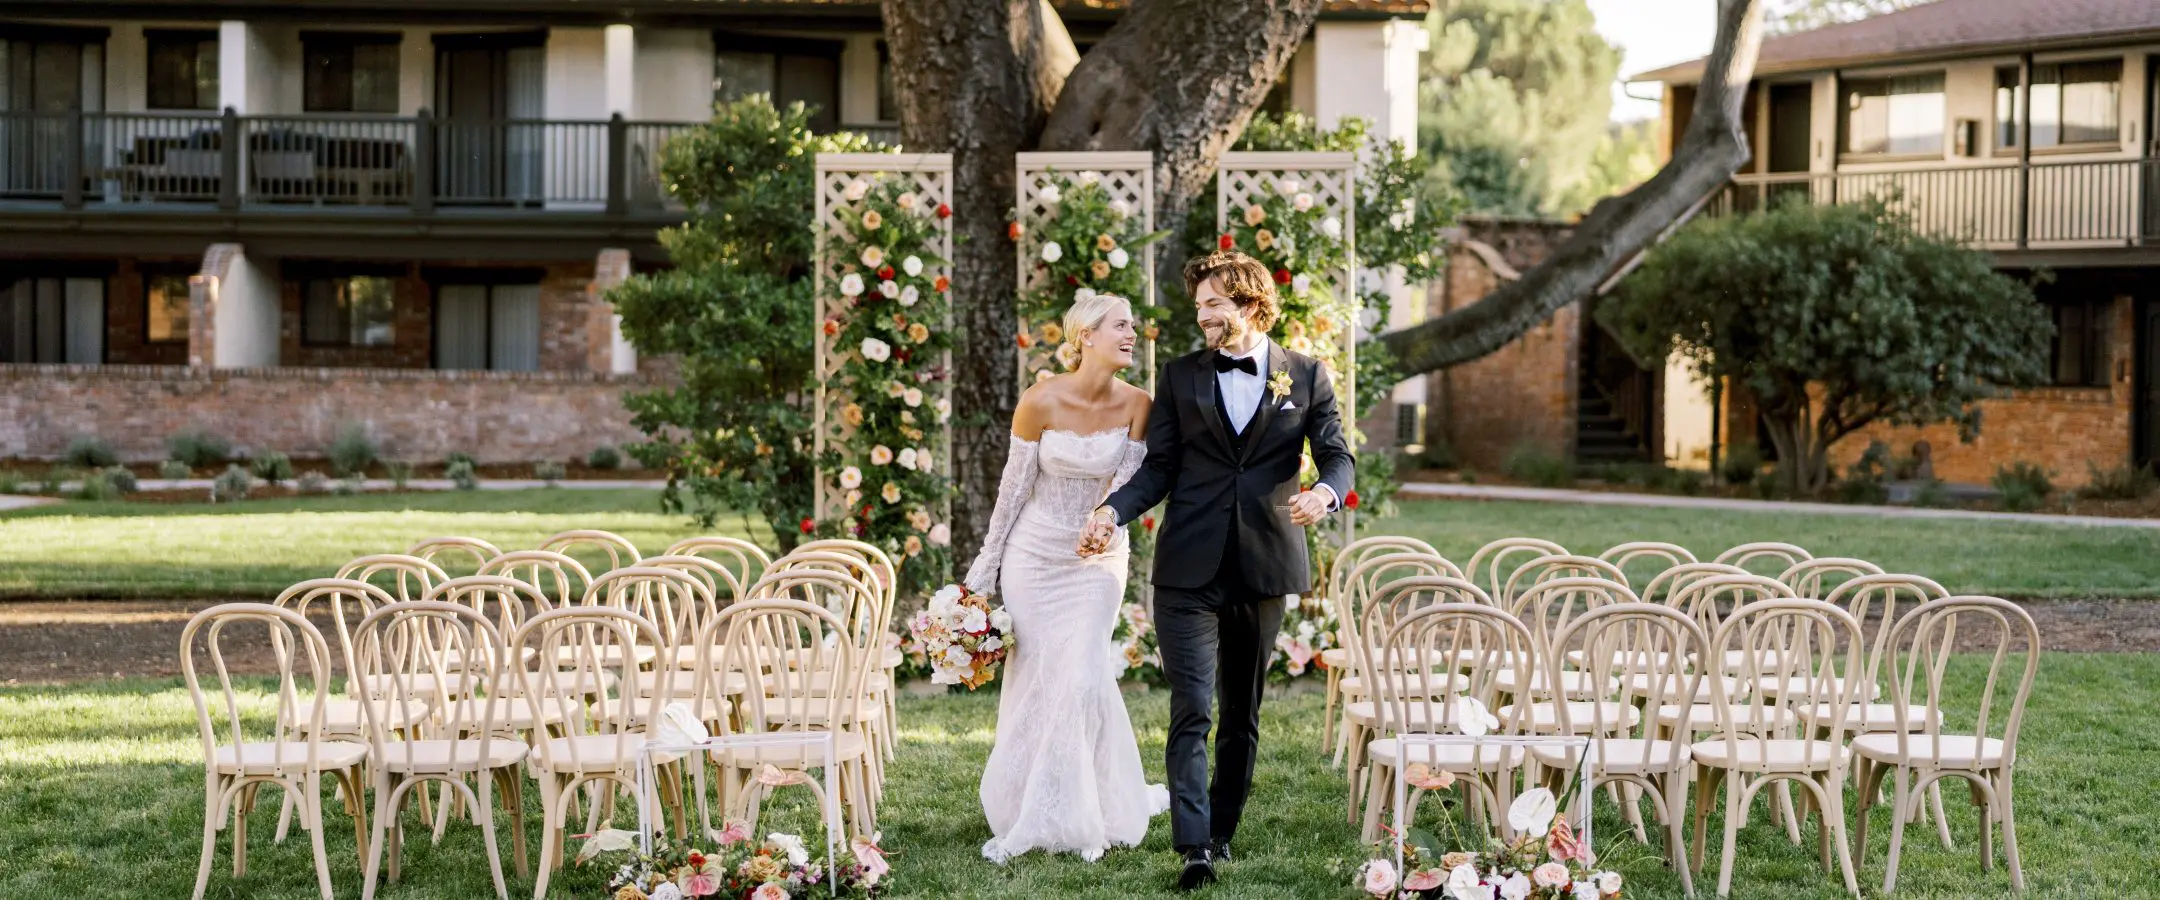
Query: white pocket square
[[1288, 405]]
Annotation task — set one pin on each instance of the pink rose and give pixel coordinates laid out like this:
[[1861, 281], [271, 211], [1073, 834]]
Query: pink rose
[[770, 890], [1423, 880], [1551, 874], [1380, 878]]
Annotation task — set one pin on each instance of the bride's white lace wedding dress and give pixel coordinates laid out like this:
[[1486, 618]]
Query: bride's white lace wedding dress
[[1064, 775]]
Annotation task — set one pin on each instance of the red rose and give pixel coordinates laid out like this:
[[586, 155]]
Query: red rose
[[1012, 230], [902, 354], [1350, 501], [1282, 276], [943, 211], [808, 525], [832, 327], [1147, 522], [885, 273], [1023, 340], [866, 509], [1071, 281], [1226, 242], [942, 283]]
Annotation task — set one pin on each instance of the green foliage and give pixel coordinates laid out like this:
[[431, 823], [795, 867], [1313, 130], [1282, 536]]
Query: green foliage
[[1532, 464], [2024, 486], [175, 470], [273, 467], [54, 478], [89, 452], [349, 485], [400, 472], [604, 458], [352, 451], [2125, 482], [197, 448], [735, 433], [549, 470], [1741, 464], [459, 456], [1933, 495], [462, 474], [232, 485], [312, 482], [11, 481], [1100, 245], [94, 487], [121, 479], [1834, 317]]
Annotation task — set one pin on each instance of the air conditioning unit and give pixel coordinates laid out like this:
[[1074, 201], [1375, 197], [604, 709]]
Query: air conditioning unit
[[1409, 425]]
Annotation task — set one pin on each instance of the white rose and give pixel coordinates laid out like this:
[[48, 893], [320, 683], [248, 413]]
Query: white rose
[[1090, 177], [1083, 295], [1119, 258], [1302, 202], [1286, 187], [1051, 252], [666, 891], [909, 295], [876, 350], [1331, 226], [873, 256], [1608, 882], [851, 478], [912, 397], [906, 458], [1299, 283], [940, 534], [942, 675], [1050, 194], [1120, 208], [905, 201], [797, 854], [944, 408], [1585, 890], [1379, 878], [891, 289], [1399, 221], [851, 285], [857, 189], [911, 265], [1001, 620], [922, 461]]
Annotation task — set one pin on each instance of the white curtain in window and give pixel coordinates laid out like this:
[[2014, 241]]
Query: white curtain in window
[[514, 336], [85, 321], [526, 68], [1916, 114], [461, 326]]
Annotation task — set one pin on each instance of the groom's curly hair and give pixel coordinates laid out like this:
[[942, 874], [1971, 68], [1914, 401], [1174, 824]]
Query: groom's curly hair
[[1242, 279]]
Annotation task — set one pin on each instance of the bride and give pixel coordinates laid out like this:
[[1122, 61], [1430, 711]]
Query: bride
[[1064, 775]]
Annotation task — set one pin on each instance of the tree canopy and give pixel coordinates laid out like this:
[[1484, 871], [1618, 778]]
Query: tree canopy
[[1790, 16]]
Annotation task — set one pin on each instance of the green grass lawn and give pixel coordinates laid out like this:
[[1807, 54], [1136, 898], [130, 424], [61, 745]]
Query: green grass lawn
[[253, 549], [100, 784]]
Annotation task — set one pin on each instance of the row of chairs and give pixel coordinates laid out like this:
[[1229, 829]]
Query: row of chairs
[[534, 665], [1708, 673]]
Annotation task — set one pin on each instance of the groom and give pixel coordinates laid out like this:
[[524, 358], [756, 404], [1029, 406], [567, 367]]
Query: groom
[[1224, 438]]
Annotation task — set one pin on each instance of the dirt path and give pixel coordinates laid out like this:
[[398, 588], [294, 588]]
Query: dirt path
[[56, 641]]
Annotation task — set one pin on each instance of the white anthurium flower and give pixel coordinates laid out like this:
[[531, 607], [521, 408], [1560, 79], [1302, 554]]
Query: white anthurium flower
[[607, 840], [911, 265], [945, 596], [1516, 887], [1586, 890], [876, 350], [1001, 620], [959, 656], [1119, 258], [1287, 186], [909, 296], [1050, 194], [1300, 283], [1083, 295], [1472, 718], [851, 285], [1301, 202], [856, 190], [1532, 813], [1331, 226], [797, 854], [1051, 252], [1462, 884]]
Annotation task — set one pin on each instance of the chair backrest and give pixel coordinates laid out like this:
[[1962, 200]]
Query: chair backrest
[[884, 574], [674, 601], [409, 576], [505, 601], [1997, 632], [1775, 556], [1365, 583], [1707, 600], [1816, 578], [1808, 647], [562, 580], [715, 575], [803, 666], [1389, 604], [748, 560], [1422, 698], [1366, 548], [428, 653], [854, 601], [565, 654], [347, 601], [1646, 554], [303, 672], [620, 552], [1548, 606], [1490, 565], [1616, 642], [431, 548], [1874, 601], [1548, 568]]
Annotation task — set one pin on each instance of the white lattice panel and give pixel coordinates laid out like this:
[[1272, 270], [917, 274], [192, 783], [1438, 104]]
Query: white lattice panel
[[930, 177], [1127, 177]]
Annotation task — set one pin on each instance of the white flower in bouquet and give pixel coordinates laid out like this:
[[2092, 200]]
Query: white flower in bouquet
[[771, 890], [974, 621], [1120, 208], [1301, 202], [1090, 177], [1608, 882], [912, 396], [940, 534], [1083, 295], [944, 408], [906, 459], [910, 295], [856, 190], [851, 478], [922, 460], [1051, 252], [943, 675], [959, 657], [1300, 283], [1050, 194], [666, 891], [1379, 878], [1532, 813], [797, 854], [876, 350], [889, 288], [991, 644], [1331, 226], [1586, 890], [1001, 620], [1462, 884], [873, 256], [1287, 186], [946, 596], [1516, 887], [911, 265], [1119, 258], [1551, 875], [851, 285]]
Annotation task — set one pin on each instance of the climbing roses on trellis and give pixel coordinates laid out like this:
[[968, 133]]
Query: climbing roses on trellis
[[1305, 246], [1088, 242]]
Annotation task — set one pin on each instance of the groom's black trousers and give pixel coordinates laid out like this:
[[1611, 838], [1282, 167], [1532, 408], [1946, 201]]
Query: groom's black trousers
[[1215, 640]]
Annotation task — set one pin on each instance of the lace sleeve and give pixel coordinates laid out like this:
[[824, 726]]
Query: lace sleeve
[[1135, 454], [1014, 488]]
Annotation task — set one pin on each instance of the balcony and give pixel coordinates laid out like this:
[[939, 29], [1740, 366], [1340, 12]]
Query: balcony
[[123, 163], [2085, 205]]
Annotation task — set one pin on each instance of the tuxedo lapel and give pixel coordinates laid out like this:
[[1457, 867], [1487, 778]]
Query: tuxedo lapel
[[1264, 414], [1204, 394]]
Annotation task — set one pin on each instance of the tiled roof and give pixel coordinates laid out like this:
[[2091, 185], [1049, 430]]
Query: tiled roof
[[1945, 27], [1330, 7]]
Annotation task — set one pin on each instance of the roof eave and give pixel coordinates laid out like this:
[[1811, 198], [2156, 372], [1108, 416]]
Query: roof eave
[[1691, 72]]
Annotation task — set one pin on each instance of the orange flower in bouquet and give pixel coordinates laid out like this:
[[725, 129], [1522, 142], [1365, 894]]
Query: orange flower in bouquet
[[963, 636]]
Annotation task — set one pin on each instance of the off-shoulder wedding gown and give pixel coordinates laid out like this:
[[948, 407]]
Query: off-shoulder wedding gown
[[1064, 775]]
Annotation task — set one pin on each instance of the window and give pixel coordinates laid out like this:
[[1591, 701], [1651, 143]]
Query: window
[[1901, 116], [353, 311], [183, 69], [2081, 342], [480, 326], [53, 320], [166, 305], [350, 73], [789, 70], [2072, 103]]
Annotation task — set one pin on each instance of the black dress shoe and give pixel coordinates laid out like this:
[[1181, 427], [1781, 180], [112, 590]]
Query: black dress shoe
[[1220, 849], [1199, 869]]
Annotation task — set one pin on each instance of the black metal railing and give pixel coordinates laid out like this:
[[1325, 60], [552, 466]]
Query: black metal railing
[[80, 160], [2013, 206]]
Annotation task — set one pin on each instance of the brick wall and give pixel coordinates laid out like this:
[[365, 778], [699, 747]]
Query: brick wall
[[1525, 392], [127, 320], [413, 414]]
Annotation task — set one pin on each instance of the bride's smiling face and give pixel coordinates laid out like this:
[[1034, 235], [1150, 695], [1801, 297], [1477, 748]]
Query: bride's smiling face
[[1112, 342]]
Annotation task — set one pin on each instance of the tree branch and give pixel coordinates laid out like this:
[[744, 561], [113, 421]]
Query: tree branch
[[1617, 228]]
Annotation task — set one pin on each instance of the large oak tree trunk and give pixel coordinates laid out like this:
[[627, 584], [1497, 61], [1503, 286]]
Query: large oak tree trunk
[[1617, 229]]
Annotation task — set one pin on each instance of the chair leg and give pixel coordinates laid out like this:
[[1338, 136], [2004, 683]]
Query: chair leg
[[356, 807], [485, 812], [1624, 795], [284, 817], [1377, 797], [1942, 822], [372, 869], [1867, 780], [1900, 804], [1987, 827], [2009, 829], [242, 805], [1706, 787], [1786, 812], [212, 818], [1676, 852], [514, 801], [551, 803], [1833, 811], [1356, 770], [1327, 713], [311, 813], [1732, 834]]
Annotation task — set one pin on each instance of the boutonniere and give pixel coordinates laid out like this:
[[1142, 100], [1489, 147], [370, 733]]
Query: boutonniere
[[1279, 385]]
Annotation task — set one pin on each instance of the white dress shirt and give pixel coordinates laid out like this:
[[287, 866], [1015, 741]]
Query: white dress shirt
[[1241, 394]]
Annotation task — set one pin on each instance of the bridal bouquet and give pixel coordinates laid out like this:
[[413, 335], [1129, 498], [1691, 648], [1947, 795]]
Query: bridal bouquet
[[963, 636], [779, 868], [1546, 861]]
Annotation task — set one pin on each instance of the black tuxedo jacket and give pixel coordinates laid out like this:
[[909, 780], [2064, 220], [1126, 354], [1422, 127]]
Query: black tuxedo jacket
[[1194, 461]]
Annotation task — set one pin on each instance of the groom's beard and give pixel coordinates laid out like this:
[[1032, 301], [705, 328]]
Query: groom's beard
[[1223, 336]]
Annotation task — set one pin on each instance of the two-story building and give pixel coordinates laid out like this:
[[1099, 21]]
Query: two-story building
[[2026, 128], [271, 218]]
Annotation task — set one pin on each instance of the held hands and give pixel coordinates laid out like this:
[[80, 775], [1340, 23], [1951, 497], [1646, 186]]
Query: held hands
[[1101, 528], [1308, 508]]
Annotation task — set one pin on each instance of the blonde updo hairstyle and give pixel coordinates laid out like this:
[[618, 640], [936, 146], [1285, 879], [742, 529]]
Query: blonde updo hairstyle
[[1089, 315]]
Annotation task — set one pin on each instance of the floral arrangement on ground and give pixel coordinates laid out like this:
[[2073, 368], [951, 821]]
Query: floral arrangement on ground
[[1087, 243], [1545, 861], [778, 868], [893, 385]]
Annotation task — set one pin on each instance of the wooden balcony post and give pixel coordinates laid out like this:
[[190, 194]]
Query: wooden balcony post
[[229, 161], [71, 167], [2024, 179], [618, 165], [423, 175]]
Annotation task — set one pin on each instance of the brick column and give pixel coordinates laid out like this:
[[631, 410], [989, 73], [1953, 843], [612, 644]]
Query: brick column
[[605, 350]]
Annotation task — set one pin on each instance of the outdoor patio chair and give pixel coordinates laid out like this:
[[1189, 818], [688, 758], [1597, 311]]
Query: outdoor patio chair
[[619, 550]]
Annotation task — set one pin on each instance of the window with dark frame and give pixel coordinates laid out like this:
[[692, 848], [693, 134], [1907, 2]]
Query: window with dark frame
[[183, 69], [350, 72], [349, 311], [1897, 116], [788, 70], [166, 307], [2082, 329], [487, 326]]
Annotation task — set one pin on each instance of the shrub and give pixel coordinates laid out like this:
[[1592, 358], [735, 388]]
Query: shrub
[[349, 485], [1741, 464], [460, 472], [606, 459], [458, 456], [548, 470], [54, 478], [198, 448], [88, 452], [232, 485], [122, 480], [400, 472], [1860, 490], [11, 481], [352, 451], [1932, 495], [1531, 464], [2119, 483], [272, 467], [94, 486], [2023, 486], [175, 470], [312, 482]]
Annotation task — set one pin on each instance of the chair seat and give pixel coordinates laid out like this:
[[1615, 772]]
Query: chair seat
[[439, 756], [595, 753], [1799, 686], [869, 714], [1635, 661], [684, 684], [1626, 756], [341, 716], [555, 682], [1949, 751], [1407, 685], [265, 758], [609, 656], [1577, 684], [1736, 660], [1423, 714], [422, 685], [1869, 717], [639, 709], [1335, 657], [847, 746], [1770, 755], [892, 659], [1704, 717], [1544, 717], [510, 713], [874, 683], [1459, 758], [1668, 686]]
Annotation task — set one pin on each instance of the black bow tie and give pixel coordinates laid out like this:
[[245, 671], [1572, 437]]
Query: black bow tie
[[1229, 363]]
